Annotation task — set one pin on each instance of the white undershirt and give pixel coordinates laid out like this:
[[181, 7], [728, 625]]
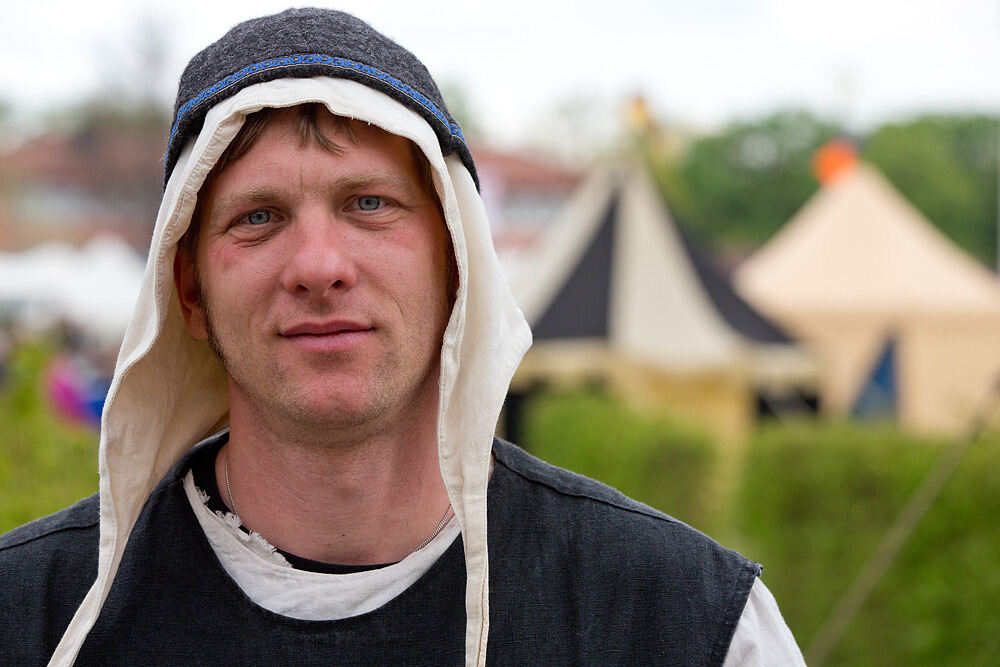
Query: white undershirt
[[761, 639], [272, 583]]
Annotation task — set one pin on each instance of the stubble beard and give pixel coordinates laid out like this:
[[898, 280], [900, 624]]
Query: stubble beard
[[276, 401]]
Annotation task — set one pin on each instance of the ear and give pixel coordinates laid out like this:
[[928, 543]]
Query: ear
[[189, 294]]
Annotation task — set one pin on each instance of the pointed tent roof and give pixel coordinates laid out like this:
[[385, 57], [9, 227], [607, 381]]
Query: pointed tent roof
[[615, 268], [859, 246]]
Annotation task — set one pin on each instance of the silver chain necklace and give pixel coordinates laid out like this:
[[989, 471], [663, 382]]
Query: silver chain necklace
[[441, 524], [430, 538], [229, 489]]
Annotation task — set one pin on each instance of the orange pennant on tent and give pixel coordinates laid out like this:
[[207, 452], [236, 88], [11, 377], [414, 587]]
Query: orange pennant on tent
[[834, 158]]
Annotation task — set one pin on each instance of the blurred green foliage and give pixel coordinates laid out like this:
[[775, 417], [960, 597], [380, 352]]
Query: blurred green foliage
[[46, 463], [817, 499], [739, 186], [662, 463], [947, 167]]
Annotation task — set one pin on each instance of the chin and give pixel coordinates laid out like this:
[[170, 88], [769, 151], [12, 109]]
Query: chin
[[338, 412]]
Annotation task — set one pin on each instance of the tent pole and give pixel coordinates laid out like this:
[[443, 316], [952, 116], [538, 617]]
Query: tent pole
[[892, 542]]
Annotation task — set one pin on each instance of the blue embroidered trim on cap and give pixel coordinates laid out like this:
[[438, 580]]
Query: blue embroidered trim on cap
[[314, 59]]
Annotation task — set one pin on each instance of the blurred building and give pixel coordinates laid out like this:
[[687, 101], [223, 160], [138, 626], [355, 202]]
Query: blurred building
[[102, 178], [522, 194], [77, 207]]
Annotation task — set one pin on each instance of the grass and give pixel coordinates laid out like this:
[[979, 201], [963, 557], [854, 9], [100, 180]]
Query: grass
[[46, 462]]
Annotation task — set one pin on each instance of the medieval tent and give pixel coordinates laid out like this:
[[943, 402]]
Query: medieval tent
[[617, 296], [859, 271]]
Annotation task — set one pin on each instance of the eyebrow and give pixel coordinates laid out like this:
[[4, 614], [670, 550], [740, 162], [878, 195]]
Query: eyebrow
[[261, 194], [379, 178], [251, 195]]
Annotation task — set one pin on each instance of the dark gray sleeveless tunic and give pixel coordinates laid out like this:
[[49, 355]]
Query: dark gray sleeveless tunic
[[579, 574]]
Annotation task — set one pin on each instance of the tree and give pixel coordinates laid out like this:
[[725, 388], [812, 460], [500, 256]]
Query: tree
[[947, 167], [740, 186], [461, 108]]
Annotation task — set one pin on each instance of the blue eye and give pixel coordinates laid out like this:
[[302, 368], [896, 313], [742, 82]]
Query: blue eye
[[369, 202], [261, 217]]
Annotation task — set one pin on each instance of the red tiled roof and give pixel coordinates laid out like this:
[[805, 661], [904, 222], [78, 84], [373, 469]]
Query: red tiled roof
[[518, 170], [104, 157]]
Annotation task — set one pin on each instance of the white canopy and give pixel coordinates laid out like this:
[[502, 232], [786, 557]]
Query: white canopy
[[93, 287]]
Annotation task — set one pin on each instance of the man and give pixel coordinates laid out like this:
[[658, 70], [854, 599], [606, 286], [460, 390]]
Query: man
[[324, 312]]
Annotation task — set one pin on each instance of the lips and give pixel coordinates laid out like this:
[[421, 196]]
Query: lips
[[329, 337], [325, 328]]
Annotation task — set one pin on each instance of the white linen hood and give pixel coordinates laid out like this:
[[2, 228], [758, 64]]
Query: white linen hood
[[169, 390]]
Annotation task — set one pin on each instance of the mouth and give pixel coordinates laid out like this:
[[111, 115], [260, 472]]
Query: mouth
[[327, 336], [327, 328]]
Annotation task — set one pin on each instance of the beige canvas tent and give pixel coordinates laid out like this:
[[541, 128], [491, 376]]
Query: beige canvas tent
[[858, 267], [616, 295]]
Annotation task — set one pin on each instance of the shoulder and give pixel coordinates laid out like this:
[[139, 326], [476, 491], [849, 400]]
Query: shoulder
[[46, 568], [573, 544], [71, 523], [584, 509], [575, 498], [536, 472], [52, 546]]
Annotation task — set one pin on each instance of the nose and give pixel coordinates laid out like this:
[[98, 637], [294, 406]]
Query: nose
[[320, 257]]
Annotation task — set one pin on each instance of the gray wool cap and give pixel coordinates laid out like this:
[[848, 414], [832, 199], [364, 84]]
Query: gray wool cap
[[305, 43]]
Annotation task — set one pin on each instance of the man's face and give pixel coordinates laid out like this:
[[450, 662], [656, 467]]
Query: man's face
[[321, 278]]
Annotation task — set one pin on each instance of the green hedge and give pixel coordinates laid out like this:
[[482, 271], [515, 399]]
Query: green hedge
[[817, 499], [46, 463], [660, 462]]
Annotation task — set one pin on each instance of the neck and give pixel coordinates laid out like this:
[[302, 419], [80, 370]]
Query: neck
[[356, 503]]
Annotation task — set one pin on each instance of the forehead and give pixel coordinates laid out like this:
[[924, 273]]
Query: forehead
[[313, 126]]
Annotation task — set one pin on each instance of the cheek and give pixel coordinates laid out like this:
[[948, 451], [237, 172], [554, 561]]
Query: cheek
[[236, 293], [247, 270], [441, 270], [415, 272]]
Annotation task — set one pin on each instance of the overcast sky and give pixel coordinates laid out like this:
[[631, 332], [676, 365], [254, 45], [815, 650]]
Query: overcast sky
[[702, 62]]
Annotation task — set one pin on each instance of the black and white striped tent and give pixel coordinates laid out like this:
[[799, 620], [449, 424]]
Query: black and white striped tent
[[617, 295]]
